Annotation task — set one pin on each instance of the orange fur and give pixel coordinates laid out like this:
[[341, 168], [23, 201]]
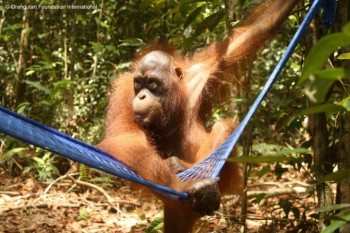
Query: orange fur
[[205, 74]]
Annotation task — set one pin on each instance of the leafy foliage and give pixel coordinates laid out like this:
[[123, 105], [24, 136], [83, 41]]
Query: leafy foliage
[[318, 86], [156, 225], [43, 166], [320, 80], [71, 56], [57, 64]]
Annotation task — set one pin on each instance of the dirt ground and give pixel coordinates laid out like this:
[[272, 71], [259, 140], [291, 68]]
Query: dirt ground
[[71, 205]]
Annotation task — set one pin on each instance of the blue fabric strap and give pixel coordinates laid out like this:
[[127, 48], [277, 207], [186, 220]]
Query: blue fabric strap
[[40, 135]]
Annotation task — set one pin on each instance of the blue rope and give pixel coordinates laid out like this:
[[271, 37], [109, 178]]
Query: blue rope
[[40, 135]]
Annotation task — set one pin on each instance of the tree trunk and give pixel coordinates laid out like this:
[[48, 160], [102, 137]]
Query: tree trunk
[[22, 59], [323, 165], [320, 138], [344, 163], [343, 195], [246, 142], [70, 51]]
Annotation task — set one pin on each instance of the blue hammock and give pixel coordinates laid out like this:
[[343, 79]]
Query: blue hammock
[[40, 135]]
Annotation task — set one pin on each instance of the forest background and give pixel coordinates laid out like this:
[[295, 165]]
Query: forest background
[[58, 58]]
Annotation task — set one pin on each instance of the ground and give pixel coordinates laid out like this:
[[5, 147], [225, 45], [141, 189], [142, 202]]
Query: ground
[[71, 205]]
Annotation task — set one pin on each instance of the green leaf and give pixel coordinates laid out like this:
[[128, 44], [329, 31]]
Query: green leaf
[[333, 207], [30, 72], [135, 42], [340, 219], [287, 151], [38, 86], [327, 108], [193, 1], [345, 103], [39, 160], [14, 151], [260, 197], [98, 47], [27, 31], [270, 156], [276, 150], [333, 74], [339, 175], [22, 107], [209, 22], [261, 159], [63, 84], [346, 29], [344, 56], [321, 82], [44, 55], [16, 26], [264, 171], [194, 14], [320, 53], [156, 225]]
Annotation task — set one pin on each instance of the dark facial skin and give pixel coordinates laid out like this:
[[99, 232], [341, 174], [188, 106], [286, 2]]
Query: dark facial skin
[[155, 77]]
